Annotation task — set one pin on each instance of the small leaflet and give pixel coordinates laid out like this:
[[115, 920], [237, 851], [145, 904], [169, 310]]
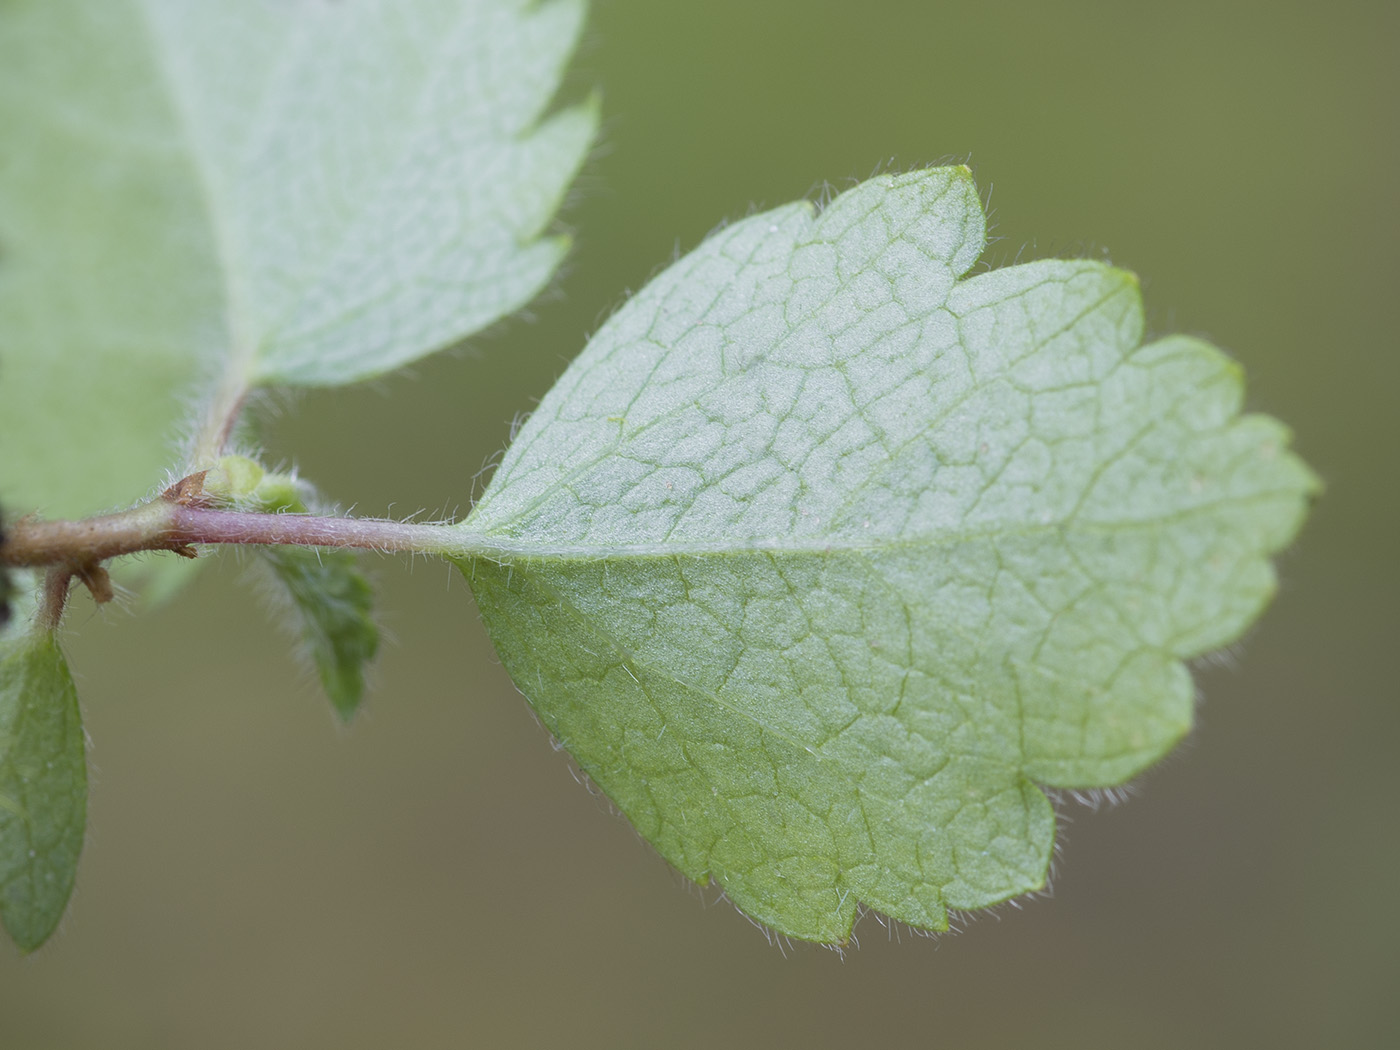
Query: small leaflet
[[43, 787], [334, 605], [332, 600]]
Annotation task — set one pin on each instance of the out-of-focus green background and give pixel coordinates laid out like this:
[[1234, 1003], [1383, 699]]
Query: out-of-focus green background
[[434, 877]]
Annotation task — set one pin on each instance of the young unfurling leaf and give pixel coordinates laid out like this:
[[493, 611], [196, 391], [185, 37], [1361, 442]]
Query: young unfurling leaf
[[824, 558], [332, 601], [334, 606]]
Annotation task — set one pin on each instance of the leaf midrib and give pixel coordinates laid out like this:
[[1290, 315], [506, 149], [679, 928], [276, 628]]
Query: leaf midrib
[[472, 544]]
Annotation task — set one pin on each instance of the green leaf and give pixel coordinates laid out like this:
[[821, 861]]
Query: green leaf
[[333, 602], [377, 175], [294, 192], [108, 285], [23, 602], [823, 559], [43, 787]]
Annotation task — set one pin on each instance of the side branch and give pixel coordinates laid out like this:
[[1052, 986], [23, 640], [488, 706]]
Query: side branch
[[163, 525], [182, 517]]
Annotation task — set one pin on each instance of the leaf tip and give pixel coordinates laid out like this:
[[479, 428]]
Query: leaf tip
[[345, 699], [30, 939]]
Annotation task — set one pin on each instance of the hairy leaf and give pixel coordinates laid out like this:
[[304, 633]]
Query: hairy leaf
[[43, 787], [823, 558], [295, 192], [334, 606], [332, 601]]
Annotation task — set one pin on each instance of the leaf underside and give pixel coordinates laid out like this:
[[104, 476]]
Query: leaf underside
[[823, 557], [297, 192], [334, 617], [43, 787]]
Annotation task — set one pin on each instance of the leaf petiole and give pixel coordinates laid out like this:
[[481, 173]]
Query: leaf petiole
[[178, 521], [164, 526]]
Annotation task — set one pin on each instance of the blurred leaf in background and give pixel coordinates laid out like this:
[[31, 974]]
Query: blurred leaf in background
[[256, 194]]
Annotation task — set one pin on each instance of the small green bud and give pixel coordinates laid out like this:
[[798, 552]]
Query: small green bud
[[233, 479], [242, 481], [279, 492]]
